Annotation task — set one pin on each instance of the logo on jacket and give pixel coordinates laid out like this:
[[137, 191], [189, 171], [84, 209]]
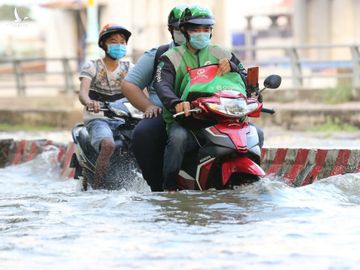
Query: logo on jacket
[[200, 74]]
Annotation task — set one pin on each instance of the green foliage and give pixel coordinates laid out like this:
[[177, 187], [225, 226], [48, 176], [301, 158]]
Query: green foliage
[[334, 125], [7, 12], [341, 93], [25, 127]]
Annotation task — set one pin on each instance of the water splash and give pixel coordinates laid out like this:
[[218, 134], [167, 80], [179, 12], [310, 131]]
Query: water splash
[[47, 220]]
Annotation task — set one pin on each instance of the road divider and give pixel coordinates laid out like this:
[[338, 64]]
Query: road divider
[[296, 166], [301, 166]]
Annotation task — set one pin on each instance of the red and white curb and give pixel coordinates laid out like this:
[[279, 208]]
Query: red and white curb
[[298, 166], [66, 171], [17, 152], [304, 166]]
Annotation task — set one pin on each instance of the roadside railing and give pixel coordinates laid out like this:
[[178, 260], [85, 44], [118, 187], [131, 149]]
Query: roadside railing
[[43, 74], [301, 67], [308, 66]]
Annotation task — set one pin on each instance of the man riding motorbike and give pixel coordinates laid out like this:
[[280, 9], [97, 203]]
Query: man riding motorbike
[[196, 24], [149, 136], [100, 82]]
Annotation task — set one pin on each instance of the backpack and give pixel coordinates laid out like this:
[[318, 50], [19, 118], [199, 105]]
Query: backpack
[[160, 51], [203, 81]]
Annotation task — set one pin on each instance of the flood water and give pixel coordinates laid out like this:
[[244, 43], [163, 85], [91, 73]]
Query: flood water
[[46, 222]]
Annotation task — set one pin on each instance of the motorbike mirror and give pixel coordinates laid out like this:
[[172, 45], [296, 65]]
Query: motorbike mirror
[[272, 81]]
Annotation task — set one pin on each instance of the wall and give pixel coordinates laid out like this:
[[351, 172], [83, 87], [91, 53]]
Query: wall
[[147, 20], [326, 22]]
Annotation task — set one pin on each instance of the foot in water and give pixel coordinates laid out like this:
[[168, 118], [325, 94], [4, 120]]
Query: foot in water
[[98, 184], [170, 191]]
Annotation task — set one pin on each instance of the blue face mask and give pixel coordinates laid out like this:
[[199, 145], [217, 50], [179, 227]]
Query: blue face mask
[[200, 40], [116, 51]]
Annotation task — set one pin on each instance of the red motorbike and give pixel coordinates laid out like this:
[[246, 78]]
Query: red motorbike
[[229, 152]]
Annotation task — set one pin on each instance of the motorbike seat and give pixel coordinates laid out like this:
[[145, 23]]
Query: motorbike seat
[[118, 143], [84, 140]]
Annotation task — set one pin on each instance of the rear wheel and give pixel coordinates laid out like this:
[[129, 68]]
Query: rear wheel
[[84, 184], [87, 179]]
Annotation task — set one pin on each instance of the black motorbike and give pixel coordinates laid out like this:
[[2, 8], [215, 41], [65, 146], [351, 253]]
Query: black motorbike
[[123, 168]]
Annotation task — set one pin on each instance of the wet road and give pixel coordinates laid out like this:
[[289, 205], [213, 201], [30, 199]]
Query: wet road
[[47, 222]]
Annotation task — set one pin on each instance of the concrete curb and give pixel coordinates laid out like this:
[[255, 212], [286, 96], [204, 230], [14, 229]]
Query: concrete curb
[[17, 152], [298, 167], [66, 171], [302, 166]]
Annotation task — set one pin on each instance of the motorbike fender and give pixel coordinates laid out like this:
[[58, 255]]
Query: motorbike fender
[[237, 134], [240, 165]]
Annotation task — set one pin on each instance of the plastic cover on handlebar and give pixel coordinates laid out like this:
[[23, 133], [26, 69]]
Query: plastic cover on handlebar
[[195, 110], [266, 110]]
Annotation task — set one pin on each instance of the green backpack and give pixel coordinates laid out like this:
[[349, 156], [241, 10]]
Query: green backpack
[[203, 81]]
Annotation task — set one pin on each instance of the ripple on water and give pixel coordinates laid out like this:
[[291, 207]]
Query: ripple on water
[[47, 220]]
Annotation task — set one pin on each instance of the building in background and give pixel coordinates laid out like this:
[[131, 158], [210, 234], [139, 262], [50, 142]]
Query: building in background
[[326, 22], [146, 19], [62, 25], [264, 25]]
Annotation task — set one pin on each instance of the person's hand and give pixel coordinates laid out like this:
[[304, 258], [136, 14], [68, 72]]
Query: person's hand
[[152, 111], [224, 66], [183, 107], [93, 105]]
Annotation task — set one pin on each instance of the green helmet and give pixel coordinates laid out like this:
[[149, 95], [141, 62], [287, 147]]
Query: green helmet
[[197, 15], [174, 16]]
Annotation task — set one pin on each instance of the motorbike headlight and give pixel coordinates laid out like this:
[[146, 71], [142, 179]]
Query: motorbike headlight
[[233, 107]]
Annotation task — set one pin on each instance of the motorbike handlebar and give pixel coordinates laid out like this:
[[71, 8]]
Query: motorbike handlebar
[[266, 110], [195, 110], [198, 110], [101, 109], [113, 112]]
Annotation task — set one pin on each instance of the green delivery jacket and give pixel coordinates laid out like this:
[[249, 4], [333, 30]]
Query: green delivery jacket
[[172, 70]]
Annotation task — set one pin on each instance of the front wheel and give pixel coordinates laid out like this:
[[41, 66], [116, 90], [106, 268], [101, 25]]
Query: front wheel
[[241, 179]]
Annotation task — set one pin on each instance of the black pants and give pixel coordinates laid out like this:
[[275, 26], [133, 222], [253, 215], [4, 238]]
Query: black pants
[[149, 139]]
